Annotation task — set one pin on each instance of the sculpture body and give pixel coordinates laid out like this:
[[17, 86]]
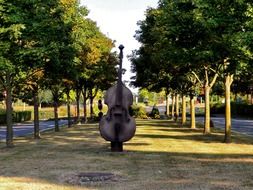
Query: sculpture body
[[117, 125]]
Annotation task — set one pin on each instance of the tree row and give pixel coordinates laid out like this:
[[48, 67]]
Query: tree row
[[51, 45], [188, 46]]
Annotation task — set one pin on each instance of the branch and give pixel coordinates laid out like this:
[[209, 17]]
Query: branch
[[85, 92], [231, 79], [34, 72], [96, 91], [214, 79], [197, 77], [213, 70], [206, 75], [2, 80]]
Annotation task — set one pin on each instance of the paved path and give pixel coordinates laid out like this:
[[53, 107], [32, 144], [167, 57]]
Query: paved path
[[27, 128]]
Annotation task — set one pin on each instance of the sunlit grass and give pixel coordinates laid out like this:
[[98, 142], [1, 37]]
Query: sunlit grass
[[162, 155]]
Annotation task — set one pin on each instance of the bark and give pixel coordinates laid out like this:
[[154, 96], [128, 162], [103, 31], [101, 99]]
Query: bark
[[173, 107], [235, 97], [193, 119], [91, 101], [207, 87], [56, 122], [167, 105], [177, 107], [183, 109], [84, 92], [228, 82], [9, 130], [207, 110], [251, 98], [68, 109], [77, 105], [36, 114], [91, 105]]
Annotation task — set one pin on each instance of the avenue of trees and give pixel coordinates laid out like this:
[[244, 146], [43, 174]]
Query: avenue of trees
[[51, 45], [187, 46]]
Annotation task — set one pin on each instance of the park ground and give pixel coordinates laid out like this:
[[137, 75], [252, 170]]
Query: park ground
[[162, 155]]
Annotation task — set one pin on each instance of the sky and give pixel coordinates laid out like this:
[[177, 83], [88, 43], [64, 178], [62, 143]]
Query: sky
[[117, 19]]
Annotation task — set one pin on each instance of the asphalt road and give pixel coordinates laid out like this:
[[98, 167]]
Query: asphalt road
[[27, 128], [243, 126]]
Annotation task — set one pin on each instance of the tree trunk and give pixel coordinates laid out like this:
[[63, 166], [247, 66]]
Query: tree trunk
[[36, 114], [183, 109], [228, 82], [77, 105], [68, 109], [207, 110], [167, 105], [56, 122], [9, 131], [193, 120], [91, 101], [91, 107], [84, 92], [177, 106], [173, 107], [251, 98]]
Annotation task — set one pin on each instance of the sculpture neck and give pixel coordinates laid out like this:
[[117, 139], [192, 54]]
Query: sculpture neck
[[119, 82]]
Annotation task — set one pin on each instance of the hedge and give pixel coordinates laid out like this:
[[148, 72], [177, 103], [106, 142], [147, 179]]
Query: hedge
[[244, 110], [19, 116]]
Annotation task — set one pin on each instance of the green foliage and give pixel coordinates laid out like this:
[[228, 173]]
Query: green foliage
[[138, 111], [46, 114], [182, 37], [45, 96], [150, 98], [72, 96]]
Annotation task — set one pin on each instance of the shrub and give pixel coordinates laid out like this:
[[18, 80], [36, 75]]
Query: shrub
[[155, 113], [2, 118], [218, 108], [138, 111], [46, 114]]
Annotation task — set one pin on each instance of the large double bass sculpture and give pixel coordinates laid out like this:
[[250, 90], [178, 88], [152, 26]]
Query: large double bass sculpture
[[117, 126]]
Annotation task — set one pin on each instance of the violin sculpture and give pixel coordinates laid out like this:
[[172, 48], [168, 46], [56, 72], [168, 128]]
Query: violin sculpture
[[117, 125]]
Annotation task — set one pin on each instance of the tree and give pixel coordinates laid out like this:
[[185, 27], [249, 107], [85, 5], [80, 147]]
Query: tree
[[96, 68], [168, 36], [226, 23], [37, 17], [203, 36], [10, 68], [60, 51]]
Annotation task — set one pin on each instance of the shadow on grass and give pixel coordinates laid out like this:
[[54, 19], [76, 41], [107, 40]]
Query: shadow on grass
[[81, 149], [142, 169], [167, 126], [200, 137]]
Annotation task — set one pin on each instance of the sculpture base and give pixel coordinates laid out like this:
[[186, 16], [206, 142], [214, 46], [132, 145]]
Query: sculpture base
[[116, 146]]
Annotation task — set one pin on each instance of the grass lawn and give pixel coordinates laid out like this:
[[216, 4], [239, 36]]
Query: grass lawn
[[162, 155]]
